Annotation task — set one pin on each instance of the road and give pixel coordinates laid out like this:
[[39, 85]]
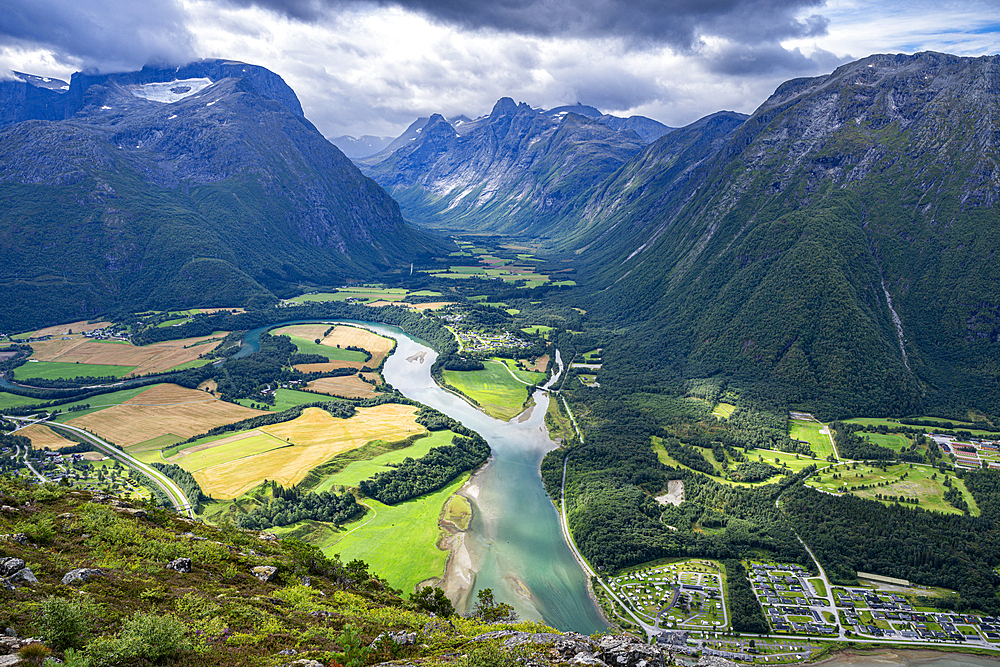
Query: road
[[167, 485], [650, 630], [822, 573]]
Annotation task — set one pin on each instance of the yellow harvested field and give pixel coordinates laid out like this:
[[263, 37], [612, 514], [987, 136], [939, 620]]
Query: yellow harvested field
[[155, 358], [345, 336], [374, 377], [327, 367], [165, 409], [307, 331], [42, 437], [75, 327], [316, 437], [350, 386]]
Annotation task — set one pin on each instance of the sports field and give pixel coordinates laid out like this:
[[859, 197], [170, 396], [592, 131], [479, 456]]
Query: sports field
[[43, 437], [496, 392], [160, 410], [812, 432], [312, 439], [399, 541], [923, 482]]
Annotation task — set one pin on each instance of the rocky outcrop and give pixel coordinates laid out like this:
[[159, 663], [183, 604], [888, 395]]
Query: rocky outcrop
[[623, 650], [80, 576], [14, 572]]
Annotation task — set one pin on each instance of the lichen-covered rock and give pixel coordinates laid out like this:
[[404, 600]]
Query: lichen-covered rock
[[265, 573], [10, 565], [401, 638], [182, 565], [23, 577], [628, 651], [80, 576]]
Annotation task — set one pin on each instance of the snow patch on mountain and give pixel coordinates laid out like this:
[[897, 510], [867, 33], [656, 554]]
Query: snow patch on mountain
[[171, 91]]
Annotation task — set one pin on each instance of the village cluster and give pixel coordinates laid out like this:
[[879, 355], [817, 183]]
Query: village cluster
[[971, 453]]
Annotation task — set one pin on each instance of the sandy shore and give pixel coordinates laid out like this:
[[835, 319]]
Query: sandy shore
[[907, 658]]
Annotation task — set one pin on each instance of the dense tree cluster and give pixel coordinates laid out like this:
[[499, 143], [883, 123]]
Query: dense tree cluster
[[189, 485], [415, 477], [754, 471], [852, 446], [289, 506], [745, 611]]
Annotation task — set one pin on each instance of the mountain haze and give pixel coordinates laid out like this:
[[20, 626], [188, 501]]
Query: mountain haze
[[202, 185]]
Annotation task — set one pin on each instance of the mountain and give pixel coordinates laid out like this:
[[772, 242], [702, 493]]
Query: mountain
[[355, 147], [835, 250], [199, 185], [648, 129], [516, 171]]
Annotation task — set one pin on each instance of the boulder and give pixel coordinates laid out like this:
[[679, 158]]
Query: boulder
[[714, 661], [265, 573], [10, 565], [304, 662], [23, 577], [182, 565], [80, 576]]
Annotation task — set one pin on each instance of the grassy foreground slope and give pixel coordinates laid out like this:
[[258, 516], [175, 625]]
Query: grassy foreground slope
[[135, 611]]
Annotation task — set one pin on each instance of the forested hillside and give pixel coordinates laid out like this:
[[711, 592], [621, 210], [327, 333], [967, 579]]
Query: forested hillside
[[783, 257]]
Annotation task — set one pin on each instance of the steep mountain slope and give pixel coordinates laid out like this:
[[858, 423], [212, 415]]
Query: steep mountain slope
[[516, 171], [837, 250], [161, 188]]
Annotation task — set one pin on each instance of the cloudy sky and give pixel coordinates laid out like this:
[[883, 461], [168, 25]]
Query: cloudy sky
[[372, 66]]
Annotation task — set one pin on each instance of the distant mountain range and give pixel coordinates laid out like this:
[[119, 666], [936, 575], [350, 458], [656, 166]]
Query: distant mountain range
[[835, 249], [517, 170], [202, 184]]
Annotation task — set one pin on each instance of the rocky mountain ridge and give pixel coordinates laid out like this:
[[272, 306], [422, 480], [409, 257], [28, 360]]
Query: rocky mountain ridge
[[517, 170]]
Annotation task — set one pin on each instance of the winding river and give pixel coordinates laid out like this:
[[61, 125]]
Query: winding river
[[514, 544]]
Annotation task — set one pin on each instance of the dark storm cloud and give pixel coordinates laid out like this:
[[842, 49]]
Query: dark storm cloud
[[99, 33], [678, 23], [742, 60]]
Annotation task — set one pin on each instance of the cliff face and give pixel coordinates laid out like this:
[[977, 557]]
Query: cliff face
[[516, 171], [838, 244], [198, 185]]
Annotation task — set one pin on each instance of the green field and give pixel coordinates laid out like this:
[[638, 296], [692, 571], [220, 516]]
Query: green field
[[14, 401], [332, 353], [723, 410], [149, 451], [537, 329], [892, 423], [896, 441], [57, 370], [531, 377], [288, 398], [359, 470], [361, 293], [398, 541], [919, 483], [777, 459], [500, 395], [809, 431], [232, 451]]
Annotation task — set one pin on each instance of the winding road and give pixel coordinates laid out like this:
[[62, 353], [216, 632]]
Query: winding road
[[167, 485]]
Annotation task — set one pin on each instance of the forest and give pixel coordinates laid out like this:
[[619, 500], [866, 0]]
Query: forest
[[289, 506]]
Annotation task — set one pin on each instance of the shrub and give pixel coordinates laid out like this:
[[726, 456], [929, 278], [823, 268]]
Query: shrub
[[34, 654], [148, 636], [66, 624]]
